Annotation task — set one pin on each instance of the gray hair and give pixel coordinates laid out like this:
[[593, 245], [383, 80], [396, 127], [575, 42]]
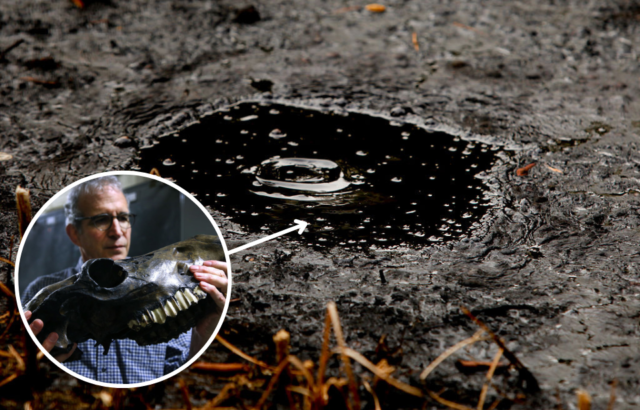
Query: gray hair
[[71, 209]]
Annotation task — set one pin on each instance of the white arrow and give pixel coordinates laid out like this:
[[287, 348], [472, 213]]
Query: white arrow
[[300, 227]]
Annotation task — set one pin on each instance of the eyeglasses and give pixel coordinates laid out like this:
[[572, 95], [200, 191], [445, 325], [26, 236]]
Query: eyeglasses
[[103, 222]]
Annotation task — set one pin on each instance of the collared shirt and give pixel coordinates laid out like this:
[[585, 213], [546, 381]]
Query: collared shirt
[[126, 362]]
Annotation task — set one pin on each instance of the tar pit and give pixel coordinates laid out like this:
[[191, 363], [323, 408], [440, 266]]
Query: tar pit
[[359, 180]]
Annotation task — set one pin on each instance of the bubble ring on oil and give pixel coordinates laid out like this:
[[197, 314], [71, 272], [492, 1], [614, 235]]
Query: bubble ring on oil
[[320, 177], [360, 179]]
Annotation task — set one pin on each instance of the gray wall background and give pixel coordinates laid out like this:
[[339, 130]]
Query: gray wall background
[[164, 216]]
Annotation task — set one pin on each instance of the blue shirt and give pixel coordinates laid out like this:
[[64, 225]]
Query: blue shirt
[[126, 362]]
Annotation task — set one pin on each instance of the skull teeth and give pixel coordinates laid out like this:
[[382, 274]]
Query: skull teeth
[[158, 315], [199, 292], [183, 302], [136, 324], [180, 301], [171, 309], [145, 319], [190, 296]]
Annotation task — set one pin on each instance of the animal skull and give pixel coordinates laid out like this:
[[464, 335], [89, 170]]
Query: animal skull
[[151, 298]]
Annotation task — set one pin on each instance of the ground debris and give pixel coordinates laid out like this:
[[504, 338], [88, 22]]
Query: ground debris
[[23, 204], [45, 83], [521, 172], [6, 51], [375, 8]]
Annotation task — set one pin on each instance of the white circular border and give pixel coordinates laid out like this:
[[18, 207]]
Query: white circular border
[[222, 316]]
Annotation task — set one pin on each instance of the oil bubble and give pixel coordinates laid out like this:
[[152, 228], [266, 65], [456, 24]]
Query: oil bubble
[[277, 134]]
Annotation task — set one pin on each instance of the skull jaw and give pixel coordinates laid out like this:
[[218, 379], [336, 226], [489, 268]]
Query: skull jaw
[[153, 334], [136, 287]]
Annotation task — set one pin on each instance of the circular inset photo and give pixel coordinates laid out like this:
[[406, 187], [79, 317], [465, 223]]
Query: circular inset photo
[[123, 279]]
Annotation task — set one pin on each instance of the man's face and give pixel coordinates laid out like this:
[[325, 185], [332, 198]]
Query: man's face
[[93, 243]]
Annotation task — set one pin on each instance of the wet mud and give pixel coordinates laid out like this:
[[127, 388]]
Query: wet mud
[[555, 267]]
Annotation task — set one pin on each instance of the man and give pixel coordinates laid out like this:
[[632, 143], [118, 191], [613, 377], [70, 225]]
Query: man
[[99, 224]]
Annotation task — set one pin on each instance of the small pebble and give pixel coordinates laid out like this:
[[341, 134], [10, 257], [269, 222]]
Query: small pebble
[[123, 142], [398, 111]]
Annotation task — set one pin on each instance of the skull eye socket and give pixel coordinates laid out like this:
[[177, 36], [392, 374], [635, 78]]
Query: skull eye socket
[[183, 268], [106, 273], [178, 250]]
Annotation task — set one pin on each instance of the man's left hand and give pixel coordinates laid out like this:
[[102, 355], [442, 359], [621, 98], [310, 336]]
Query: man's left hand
[[212, 276], [213, 280]]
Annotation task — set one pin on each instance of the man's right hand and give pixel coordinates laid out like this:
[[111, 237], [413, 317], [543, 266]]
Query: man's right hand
[[50, 342]]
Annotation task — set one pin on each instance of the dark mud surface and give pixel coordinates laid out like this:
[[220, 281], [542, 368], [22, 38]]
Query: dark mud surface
[[556, 272]]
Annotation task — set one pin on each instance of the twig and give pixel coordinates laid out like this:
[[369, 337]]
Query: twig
[[559, 407], [7, 261], [221, 367], [221, 397], [521, 172], [332, 381], [612, 395], [337, 330], [11, 246], [464, 26], [414, 40], [346, 9], [532, 383], [475, 338], [272, 384], [23, 204], [376, 402], [313, 389], [185, 394], [6, 51], [20, 362], [375, 8], [241, 353], [9, 379], [281, 339], [446, 402], [479, 363], [12, 308], [485, 386], [41, 82], [584, 399], [118, 396], [381, 374], [324, 355], [494, 404], [559, 171]]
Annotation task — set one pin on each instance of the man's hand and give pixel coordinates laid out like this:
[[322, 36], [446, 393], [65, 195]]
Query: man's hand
[[50, 342], [213, 280], [212, 276]]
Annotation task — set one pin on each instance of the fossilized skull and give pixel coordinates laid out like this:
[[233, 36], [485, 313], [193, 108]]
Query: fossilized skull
[[151, 298]]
